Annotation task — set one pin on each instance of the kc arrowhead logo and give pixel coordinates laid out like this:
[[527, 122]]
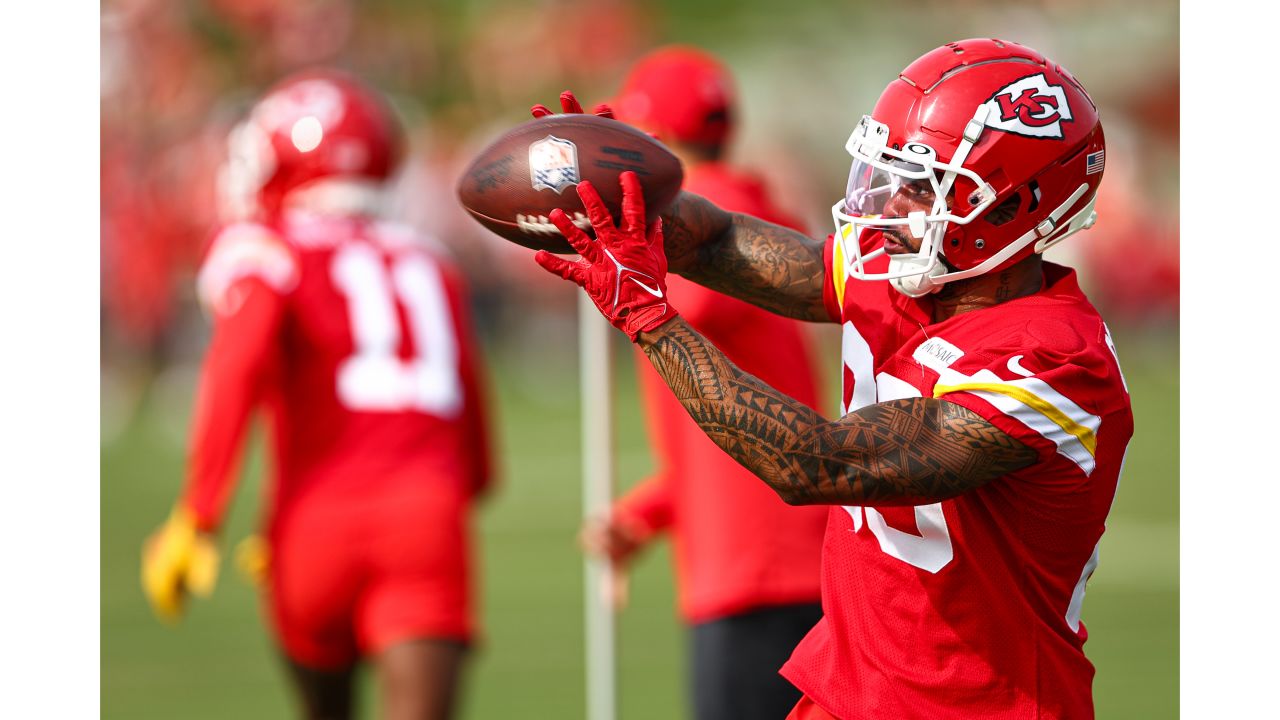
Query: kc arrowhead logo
[[1030, 107]]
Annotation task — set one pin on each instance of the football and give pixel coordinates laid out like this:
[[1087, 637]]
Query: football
[[514, 183]]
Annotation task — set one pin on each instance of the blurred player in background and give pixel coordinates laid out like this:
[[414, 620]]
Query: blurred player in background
[[985, 418], [354, 334], [747, 564]]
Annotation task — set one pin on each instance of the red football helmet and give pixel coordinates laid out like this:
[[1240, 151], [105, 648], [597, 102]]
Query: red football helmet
[[680, 93], [320, 135], [1002, 143]]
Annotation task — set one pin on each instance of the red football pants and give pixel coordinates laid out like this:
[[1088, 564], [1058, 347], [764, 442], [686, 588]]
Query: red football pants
[[352, 576]]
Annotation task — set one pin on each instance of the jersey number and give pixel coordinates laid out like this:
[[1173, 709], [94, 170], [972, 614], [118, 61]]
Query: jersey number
[[931, 550], [376, 378]]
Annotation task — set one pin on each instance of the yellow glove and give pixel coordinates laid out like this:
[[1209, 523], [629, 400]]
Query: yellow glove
[[176, 560], [253, 559]]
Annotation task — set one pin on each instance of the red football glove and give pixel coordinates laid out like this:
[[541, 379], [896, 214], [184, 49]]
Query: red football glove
[[623, 270], [571, 105]]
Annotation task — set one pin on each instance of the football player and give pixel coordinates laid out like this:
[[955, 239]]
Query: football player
[[354, 334], [985, 416], [748, 597]]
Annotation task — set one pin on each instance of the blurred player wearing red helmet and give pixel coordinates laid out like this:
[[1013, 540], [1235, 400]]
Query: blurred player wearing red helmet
[[354, 334], [985, 416], [748, 597]]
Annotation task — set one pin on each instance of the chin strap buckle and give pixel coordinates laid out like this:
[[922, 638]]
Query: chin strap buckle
[[973, 129]]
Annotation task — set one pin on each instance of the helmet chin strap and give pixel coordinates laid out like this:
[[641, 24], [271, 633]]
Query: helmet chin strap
[[919, 268], [920, 284]]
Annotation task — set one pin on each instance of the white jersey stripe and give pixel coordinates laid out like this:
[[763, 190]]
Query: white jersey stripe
[[240, 251], [1077, 595], [1035, 404]]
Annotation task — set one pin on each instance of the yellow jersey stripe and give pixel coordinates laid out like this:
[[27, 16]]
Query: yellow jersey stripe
[[1033, 401], [839, 274]]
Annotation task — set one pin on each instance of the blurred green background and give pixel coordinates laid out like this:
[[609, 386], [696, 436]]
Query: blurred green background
[[176, 73]]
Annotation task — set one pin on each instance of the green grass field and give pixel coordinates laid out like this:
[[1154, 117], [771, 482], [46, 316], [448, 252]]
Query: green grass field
[[219, 663]]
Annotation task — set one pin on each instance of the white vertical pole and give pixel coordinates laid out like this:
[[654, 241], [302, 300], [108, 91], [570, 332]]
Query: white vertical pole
[[597, 494]]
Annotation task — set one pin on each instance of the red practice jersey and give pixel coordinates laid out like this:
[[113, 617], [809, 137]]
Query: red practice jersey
[[737, 545], [355, 335], [970, 607]]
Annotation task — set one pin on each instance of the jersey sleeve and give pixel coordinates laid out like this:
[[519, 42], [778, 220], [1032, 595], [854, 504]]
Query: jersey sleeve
[[647, 507], [1052, 402], [244, 250], [237, 369]]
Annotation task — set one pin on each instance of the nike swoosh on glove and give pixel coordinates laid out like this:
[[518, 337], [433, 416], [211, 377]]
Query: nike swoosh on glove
[[624, 270]]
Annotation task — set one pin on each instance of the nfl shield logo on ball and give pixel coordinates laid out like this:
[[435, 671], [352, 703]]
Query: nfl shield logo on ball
[[553, 164]]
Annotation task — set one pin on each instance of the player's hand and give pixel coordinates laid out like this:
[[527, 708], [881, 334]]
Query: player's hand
[[178, 560], [611, 538], [253, 560], [570, 105], [623, 270], [616, 541]]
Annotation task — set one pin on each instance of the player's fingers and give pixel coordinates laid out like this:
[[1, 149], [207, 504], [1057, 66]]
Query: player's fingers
[[617, 542], [252, 559], [632, 203], [655, 233], [597, 213], [593, 539], [578, 240], [656, 244], [570, 103], [540, 111], [202, 569], [557, 265], [603, 110], [162, 586], [617, 591]]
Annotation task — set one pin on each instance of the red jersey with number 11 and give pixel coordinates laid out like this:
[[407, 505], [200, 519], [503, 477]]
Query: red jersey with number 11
[[970, 607], [355, 334]]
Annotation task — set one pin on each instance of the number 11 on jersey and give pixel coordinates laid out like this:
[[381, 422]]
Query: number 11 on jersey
[[376, 378]]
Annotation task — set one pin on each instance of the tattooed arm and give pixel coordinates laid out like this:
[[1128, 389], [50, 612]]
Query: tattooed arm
[[764, 264], [902, 452]]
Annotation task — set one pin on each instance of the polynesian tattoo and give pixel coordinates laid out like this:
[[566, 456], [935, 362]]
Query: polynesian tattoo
[[911, 451], [767, 265]]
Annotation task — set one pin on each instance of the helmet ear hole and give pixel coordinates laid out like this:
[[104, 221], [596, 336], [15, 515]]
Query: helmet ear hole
[[1035, 196], [1005, 211]]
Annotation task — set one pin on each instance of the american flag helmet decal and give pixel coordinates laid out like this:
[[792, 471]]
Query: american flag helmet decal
[[1093, 162]]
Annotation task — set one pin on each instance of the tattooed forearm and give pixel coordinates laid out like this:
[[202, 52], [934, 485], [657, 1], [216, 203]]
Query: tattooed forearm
[[903, 452], [768, 265]]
